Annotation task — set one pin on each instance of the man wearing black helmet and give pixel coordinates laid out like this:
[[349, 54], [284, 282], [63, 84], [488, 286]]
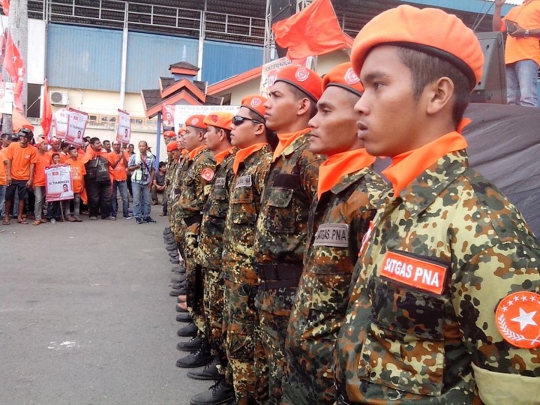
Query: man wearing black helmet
[[21, 158]]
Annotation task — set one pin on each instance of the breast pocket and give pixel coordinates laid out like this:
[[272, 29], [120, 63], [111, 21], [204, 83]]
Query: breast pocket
[[218, 203], [281, 216], [243, 210], [404, 346]]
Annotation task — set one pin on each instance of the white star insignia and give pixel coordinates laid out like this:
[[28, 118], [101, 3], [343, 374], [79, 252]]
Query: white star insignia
[[525, 319]]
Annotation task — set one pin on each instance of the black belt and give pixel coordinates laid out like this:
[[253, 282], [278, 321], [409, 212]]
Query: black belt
[[279, 275], [195, 219]]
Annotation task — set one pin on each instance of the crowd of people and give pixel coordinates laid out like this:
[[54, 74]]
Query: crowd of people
[[305, 277], [100, 173]]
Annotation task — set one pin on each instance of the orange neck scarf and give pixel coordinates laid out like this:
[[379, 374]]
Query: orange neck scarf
[[332, 170], [195, 151], [286, 139], [243, 154], [409, 165], [221, 155], [92, 154]]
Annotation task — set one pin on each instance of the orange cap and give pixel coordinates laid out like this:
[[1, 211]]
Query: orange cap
[[172, 146], [302, 78], [255, 103], [428, 30], [169, 134], [343, 76], [219, 119], [197, 121]]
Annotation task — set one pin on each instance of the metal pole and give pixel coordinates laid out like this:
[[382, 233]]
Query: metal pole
[[202, 35], [124, 57]]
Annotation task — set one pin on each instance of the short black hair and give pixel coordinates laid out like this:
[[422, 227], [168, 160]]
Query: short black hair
[[426, 69], [94, 140], [270, 135], [71, 148], [299, 94], [161, 164]]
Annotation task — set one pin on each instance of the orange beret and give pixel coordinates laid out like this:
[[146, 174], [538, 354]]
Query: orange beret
[[219, 119], [169, 134], [172, 146], [428, 30], [197, 121], [302, 78], [255, 103], [343, 76]]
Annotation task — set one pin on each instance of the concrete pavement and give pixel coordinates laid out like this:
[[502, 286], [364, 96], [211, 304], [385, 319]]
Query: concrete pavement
[[86, 317]]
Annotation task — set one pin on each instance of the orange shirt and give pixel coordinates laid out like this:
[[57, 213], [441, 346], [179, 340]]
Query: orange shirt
[[119, 172], [42, 161], [3, 167], [21, 159], [77, 174], [526, 16]]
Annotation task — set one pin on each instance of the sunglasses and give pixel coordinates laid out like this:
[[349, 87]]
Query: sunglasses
[[238, 120]]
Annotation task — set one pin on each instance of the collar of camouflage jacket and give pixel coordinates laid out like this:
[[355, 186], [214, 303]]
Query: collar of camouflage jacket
[[335, 167], [285, 140], [242, 154], [409, 165], [195, 152]]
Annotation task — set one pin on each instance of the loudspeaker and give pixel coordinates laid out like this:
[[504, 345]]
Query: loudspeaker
[[492, 87]]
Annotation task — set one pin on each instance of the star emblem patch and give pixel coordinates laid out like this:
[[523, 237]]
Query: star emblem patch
[[518, 319]]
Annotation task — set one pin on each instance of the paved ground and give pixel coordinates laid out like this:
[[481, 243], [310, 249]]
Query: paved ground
[[86, 317]]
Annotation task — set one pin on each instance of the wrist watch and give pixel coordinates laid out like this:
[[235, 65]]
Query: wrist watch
[[526, 34]]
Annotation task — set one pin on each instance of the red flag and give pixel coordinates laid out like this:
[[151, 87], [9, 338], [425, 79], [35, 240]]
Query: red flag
[[313, 31], [18, 121], [5, 6], [46, 111], [14, 67]]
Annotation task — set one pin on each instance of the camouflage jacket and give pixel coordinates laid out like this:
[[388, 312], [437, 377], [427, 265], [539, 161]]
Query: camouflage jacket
[[337, 224], [214, 214], [244, 206], [421, 326], [197, 176]]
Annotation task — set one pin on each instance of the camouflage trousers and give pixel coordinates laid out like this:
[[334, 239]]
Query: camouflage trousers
[[242, 340], [194, 277], [214, 288], [274, 312]]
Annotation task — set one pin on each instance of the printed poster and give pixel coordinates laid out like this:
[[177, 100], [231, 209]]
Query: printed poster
[[123, 134], [269, 71], [59, 183], [76, 126], [60, 120]]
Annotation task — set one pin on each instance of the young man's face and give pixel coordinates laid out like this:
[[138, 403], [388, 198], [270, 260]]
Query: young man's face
[[116, 147], [56, 159], [191, 138], [96, 146], [243, 135], [143, 147], [56, 146], [107, 145], [212, 138], [73, 153], [281, 108], [43, 147], [333, 129], [390, 118]]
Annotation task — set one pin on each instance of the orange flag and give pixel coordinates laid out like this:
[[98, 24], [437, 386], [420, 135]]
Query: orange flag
[[313, 31], [18, 121], [5, 7], [46, 111]]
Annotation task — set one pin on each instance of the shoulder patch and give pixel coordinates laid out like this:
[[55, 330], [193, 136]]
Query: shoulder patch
[[518, 319], [207, 174], [415, 272], [336, 235]]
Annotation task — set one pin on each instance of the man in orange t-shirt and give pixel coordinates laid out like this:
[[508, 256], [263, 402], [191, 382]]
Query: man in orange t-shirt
[[21, 159], [78, 171], [5, 140], [42, 161], [522, 52], [119, 173]]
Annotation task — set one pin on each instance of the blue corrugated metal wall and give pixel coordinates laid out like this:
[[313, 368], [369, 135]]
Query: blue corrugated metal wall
[[91, 58], [149, 57], [223, 60], [87, 58], [474, 6]]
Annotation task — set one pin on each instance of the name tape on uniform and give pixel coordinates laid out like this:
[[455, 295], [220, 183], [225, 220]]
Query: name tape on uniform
[[332, 235], [414, 272], [220, 182], [244, 181]]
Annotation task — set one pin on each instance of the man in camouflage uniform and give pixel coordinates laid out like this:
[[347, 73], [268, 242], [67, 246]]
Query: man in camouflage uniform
[[209, 251], [197, 175], [445, 303], [338, 220], [250, 167], [282, 225]]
